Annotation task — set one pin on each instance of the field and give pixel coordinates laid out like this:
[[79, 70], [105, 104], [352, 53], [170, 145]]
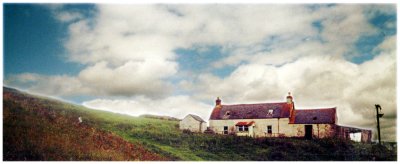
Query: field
[[39, 128]]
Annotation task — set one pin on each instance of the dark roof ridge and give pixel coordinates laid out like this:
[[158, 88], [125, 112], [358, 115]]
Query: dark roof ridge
[[251, 111], [255, 103], [325, 108], [198, 118], [357, 127]]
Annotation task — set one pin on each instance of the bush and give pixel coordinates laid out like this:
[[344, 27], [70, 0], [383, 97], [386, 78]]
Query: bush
[[381, 153], [187, 131]]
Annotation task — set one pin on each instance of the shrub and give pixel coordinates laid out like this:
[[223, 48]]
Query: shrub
[[187, 131]]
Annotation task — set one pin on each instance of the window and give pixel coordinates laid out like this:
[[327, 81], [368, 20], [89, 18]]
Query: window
[[242, 128], [225, 129], [227, 115], [269, 129], [270, 112]]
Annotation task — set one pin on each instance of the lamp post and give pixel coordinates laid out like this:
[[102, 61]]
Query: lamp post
[[378, 115]]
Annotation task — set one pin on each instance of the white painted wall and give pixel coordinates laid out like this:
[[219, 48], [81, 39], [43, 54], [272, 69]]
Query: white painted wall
[[280, 127], [259, 129], [355, 137], [203, 126], [192, 124]]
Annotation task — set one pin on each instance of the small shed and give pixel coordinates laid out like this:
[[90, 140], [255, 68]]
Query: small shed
[[193, 123]]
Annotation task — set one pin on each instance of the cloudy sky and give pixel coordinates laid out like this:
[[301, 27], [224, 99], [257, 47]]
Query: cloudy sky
[[176, 59]]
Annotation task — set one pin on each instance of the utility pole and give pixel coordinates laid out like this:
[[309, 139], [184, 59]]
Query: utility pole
[[378, 115]]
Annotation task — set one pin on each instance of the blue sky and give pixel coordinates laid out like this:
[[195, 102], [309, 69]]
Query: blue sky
[[34, 42], [124, 57], [366, 43]]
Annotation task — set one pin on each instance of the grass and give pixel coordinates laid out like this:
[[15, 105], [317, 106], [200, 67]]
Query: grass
[[42, 129], [53, 133]]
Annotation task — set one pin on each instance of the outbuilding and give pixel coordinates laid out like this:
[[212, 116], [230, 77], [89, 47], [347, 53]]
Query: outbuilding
[[193, 123]]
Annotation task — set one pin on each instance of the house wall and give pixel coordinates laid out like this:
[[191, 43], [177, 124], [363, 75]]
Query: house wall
[[345, 133], [356, 137], [249, 133], [280, 128], [342, 132], [203, 126], [191, 124], [258, 130], [366, 136], [318, 130]]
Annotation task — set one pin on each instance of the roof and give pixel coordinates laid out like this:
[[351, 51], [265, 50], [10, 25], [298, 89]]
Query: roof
[[251, 111], [353, 129], [315, 116], [245, 123], [196, 117]]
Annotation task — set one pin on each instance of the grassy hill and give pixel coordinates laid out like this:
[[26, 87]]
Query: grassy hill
[[38, 128], [160, 117]]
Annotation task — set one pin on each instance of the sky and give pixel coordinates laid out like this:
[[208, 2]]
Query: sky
[[175, 59]]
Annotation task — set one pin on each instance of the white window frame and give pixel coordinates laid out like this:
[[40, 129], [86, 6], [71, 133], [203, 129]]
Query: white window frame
[[242, 128], [270, 112]]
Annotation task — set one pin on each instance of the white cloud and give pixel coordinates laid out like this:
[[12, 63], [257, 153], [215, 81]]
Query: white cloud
[[263, 82], [133, 78], [68, 16], [58, 85], [342, 26], [176, 106], [387, 46], [123, 34], [61, 14]]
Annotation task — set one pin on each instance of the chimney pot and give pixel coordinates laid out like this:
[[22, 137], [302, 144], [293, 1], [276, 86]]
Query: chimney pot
[[218, 101], [289, 98]]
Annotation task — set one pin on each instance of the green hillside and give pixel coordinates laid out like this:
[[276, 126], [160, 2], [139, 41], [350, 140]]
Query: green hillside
[[38, 128]]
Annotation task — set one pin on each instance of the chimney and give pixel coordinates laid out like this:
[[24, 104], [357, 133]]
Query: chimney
[[218, 101], [289, 99]]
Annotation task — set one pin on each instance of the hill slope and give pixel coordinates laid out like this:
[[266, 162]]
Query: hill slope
[[41, 129], [37, 128]]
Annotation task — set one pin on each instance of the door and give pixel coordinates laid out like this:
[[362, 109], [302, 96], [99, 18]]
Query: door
[[225, 129], [308, 130], [269, 129]]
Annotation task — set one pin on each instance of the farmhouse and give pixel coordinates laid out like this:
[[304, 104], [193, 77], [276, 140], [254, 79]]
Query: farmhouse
[[280, 119], [193, 123]]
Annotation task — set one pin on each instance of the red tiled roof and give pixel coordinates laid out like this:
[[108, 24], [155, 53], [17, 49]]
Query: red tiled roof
[[245, 123], [315, 116], [251, 111]]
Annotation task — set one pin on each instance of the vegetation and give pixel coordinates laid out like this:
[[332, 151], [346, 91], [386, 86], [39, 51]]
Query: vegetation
[[160, 117], [41, 129], [37, 128]]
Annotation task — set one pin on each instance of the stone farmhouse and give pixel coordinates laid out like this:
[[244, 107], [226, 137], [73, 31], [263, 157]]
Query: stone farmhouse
[[193, 123], [280, 119]]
